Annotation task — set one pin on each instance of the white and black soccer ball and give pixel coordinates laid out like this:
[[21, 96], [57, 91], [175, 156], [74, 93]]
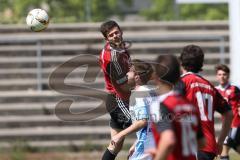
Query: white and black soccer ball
[[37, 20]]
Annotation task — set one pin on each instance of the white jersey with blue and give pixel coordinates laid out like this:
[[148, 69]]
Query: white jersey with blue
[[140, 100]]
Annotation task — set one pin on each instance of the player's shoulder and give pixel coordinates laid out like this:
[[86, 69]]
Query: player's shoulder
[[235, 89], [143, 88], [191, 77], [232, 86], [174, 98], [105, 54], [146, 88], [144, 91], [195, 79], [178, 103], [140, 92]]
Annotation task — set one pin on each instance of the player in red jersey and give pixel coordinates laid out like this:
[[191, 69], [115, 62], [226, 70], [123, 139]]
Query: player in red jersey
[[176, 122], [232, 94], [115, 64], [204, 95]]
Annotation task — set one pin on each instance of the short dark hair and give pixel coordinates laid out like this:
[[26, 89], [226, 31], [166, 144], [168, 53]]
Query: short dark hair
[[167, 68], [143, 69], [222, 67], [107, 26], [192, 57]]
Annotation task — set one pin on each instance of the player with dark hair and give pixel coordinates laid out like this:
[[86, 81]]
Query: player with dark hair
[[176, 123], [141, 97], [115, 64], [232, 94], [207, 99]]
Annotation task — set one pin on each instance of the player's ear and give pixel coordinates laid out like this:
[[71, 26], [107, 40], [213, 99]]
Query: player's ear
[[137, 78]]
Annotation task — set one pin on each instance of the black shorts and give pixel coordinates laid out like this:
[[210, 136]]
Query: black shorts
[[119, 112], [233, 138], [201, 155]]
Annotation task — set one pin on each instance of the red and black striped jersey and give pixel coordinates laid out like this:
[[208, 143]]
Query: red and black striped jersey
[[173, 111], [205, 96], [231, 94], [115, 64]]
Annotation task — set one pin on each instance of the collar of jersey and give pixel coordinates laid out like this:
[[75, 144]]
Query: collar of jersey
[[184, 74], [117, 50], [223, 87]]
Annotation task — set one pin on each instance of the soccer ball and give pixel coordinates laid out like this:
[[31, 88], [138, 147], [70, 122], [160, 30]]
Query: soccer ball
[[37, 20]]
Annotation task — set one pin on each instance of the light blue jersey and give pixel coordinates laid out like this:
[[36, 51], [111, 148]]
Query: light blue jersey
[[139, 109]]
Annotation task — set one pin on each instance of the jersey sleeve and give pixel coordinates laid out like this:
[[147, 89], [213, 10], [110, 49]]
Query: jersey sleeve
[[141, 109], [164, 123], [237, 95], [138, 95], [221, 104], [234, 97], [115, 72], [138, 99]]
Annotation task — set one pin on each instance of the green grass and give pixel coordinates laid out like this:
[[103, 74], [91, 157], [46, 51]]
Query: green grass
[[21, 151], [234, 156], [91, 155]]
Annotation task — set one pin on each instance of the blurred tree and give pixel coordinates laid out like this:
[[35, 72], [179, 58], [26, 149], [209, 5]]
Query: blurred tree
[[204, 11], [165, 10], [160, 10], [15, 11], [62, 10]]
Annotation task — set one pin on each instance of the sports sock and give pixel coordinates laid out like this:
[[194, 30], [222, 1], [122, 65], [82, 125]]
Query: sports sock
[[224, 157], [108, 155]]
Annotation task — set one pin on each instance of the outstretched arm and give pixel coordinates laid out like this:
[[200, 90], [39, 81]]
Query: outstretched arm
[[225, 110], [124, 81], [165, 145], [226, 124], [137, 125], [126, 87]]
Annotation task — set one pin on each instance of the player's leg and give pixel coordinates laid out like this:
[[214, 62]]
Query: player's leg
[[231, 141], [116, 148], [225, 153], [112, 150], [118, 122], [237, 140], [226, 147]]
